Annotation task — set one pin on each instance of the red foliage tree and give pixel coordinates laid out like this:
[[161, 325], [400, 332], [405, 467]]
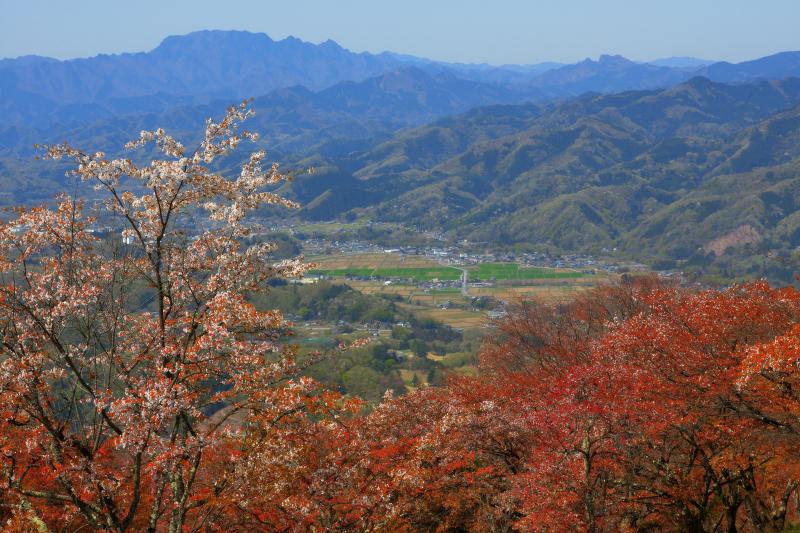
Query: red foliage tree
[[634, 411]]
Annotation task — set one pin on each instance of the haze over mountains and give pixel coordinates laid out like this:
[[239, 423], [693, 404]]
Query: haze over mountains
[[659, 160], [208, 65]]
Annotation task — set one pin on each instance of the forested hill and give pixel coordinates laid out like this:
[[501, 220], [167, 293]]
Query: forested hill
[[675, 163], [661, 175], [341, 119]]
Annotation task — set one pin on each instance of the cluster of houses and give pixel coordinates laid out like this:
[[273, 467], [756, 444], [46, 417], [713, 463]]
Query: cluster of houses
[[464, 253]]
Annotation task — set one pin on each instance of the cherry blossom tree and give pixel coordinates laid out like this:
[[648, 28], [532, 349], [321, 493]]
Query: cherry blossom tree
[[121, 414]]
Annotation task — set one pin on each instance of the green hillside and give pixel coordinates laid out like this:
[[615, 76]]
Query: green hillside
[[670, 177]]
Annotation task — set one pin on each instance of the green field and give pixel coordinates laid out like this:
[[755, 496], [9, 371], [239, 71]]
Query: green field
[[512, 271], [420, 269], [445, 291]]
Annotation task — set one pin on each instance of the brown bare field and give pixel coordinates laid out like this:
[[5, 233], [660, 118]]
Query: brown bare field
[[408, 292], [457, 318], [540, 292], [377, 287], [548, 293], [377, 260]]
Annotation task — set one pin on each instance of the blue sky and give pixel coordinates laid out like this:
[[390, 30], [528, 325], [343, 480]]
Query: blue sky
[[493, 31]]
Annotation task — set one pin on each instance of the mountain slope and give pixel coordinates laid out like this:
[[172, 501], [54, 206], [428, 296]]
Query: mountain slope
[[294, 118], [210, 63], [343, 119], [776, 66], [607, 74], [636, 170]]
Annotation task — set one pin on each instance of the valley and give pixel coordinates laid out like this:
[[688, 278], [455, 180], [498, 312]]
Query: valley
[[428, 288], [264, 283]]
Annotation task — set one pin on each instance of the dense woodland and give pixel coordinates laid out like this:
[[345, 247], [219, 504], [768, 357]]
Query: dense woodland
[[641, 406]]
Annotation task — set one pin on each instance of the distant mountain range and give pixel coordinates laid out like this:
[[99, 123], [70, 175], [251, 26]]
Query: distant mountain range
[[678, 161], [289, 119], [210, 65], [226, 64]]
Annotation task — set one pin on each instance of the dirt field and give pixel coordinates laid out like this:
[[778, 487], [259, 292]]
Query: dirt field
[[548, 293], [457, 318], [377, 287], [545, 292], [337, 262]]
